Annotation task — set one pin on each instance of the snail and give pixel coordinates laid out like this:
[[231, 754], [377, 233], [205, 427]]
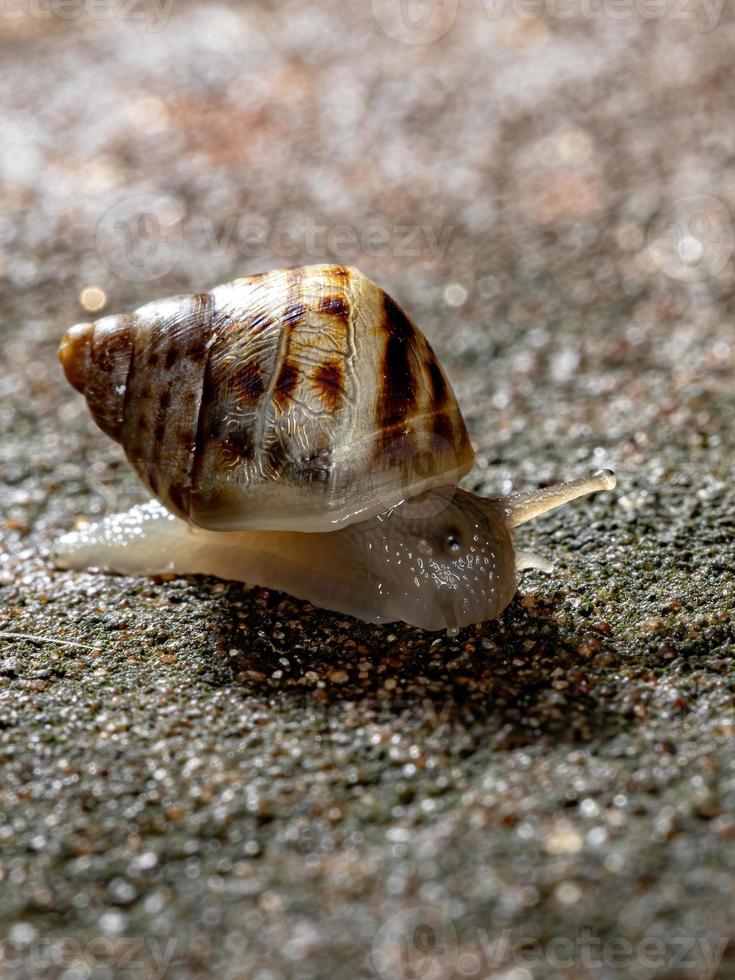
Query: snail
[[297, 432]]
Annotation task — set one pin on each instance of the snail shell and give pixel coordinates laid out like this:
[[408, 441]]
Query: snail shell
[[302, 413], [301, 399]]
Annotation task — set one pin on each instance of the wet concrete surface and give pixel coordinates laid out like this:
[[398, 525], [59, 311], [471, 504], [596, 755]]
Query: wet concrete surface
[[223, 781]]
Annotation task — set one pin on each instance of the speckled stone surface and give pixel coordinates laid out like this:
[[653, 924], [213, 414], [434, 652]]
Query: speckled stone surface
[[225, 782]]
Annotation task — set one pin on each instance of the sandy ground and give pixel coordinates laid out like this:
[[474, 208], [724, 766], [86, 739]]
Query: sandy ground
[[226, 782]]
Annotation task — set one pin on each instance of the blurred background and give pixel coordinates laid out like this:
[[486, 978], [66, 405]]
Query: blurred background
[[239, 784]]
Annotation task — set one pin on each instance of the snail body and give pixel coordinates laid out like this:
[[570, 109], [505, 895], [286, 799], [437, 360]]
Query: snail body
[[299, 433]]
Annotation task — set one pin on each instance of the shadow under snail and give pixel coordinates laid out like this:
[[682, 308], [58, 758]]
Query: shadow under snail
[[299, 433]]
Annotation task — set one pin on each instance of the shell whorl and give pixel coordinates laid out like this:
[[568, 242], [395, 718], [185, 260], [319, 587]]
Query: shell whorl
[[298, 399]]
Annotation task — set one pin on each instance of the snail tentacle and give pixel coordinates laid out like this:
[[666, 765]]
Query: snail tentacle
[[523, 507]]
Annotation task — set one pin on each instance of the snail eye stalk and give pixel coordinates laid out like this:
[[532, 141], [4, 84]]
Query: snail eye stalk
[[523, 507]]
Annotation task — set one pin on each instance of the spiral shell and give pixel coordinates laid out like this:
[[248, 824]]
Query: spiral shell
[[300, 399]]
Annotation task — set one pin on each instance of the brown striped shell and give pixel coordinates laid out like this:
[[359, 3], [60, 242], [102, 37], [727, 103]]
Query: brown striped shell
[[301, 399]]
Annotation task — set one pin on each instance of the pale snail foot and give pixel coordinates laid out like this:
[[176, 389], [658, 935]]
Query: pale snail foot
[[441, 561], [141, 541], [326, 569], [529, 559], [370, 570]]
